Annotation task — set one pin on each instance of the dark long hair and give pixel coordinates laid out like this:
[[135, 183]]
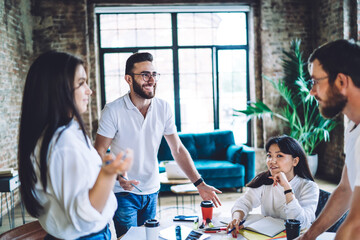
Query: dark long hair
[[48, 103], [287, 145]]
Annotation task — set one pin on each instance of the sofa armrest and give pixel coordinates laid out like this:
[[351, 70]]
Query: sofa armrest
[[243, 155]]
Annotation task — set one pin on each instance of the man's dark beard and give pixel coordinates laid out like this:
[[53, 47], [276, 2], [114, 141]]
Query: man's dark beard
[[138, 90], [335, 103]]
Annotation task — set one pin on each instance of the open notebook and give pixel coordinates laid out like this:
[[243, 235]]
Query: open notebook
[[268, 226]]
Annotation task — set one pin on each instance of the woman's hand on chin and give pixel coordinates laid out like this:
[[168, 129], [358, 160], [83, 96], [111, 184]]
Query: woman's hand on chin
[[280, 178]]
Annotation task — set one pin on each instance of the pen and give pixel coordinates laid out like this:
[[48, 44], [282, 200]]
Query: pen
[[130, 183], [241, 223], [215, 229], [178, 232], [110, 161]]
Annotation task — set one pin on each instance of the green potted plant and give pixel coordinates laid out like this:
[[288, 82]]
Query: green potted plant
[[300, 113]]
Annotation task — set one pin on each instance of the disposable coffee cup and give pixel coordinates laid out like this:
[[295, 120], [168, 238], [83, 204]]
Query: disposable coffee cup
[[152, 229], [207, 209], [292, 228]]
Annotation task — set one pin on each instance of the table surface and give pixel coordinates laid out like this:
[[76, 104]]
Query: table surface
[[223, 235], [184, 189], [165, 180]]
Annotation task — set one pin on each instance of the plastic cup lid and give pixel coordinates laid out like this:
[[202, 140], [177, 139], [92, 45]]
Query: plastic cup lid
[[152, 223], [207, 204]]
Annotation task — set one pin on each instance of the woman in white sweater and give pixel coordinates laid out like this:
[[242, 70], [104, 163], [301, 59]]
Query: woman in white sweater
[[286, 190], [64, 182]]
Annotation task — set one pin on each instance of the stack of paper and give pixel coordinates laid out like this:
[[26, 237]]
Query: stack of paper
[[8, 172], [184, 188]]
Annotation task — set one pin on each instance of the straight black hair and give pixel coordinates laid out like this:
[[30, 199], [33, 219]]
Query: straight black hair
[[135, 58], [48, 103], [340, 56], [287, 145]]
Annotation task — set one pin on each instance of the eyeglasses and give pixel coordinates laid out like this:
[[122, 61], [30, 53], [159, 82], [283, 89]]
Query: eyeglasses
[[146, 76], [315, 81]]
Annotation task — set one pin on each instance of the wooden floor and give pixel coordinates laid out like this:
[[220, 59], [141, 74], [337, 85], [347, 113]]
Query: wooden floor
[[168, 205]]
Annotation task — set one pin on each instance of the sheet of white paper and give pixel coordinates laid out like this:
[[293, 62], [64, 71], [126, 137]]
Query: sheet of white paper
[[326, 236], [137, 233]]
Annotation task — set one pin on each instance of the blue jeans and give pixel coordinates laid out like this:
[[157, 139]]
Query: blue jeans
[[104, 234], [133, 210]]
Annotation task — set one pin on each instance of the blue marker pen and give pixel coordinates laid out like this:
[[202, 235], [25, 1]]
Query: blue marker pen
[[241, 223]]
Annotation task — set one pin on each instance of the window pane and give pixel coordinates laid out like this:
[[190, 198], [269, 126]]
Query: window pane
[[211, 29], [163, 65], [232, 92], [201, 34], [135, 30], [116, 86], [225, 32], [196, 97], [114, 68]]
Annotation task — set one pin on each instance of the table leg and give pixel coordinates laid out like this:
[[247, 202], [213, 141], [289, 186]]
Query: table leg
[[1, 216], [192, 202], [7, 209], [177, 205], [22, 211], [12, 201], [183, 205], [1, 210]]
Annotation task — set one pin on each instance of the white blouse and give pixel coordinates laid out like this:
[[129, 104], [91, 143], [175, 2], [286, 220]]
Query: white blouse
[[273, 201], [73, 167]]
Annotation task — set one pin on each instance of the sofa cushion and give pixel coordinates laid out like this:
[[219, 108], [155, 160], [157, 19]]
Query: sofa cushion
[[213, 145], [189, 142], [219, 169]]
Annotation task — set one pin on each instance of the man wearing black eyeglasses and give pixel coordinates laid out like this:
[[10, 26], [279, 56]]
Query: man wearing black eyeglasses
[[335, 72], [138, 121]]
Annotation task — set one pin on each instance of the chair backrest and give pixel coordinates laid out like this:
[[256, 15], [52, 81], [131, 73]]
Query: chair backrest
[[323, 197], [31, 231]]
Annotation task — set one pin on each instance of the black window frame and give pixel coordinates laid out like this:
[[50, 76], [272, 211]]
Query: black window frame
[[175, 47]]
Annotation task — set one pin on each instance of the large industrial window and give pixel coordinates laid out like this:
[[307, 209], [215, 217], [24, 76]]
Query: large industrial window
[[202, 57]]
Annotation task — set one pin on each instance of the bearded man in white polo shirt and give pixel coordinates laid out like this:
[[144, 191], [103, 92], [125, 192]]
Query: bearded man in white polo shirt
[[138, 121]]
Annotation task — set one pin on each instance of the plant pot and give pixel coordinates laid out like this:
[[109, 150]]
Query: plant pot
[[313, 163]]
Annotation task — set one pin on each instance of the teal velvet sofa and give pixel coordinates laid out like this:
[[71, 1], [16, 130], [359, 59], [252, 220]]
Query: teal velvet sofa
[[220, 162]]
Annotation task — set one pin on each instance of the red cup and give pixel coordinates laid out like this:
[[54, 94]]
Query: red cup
[[207, 209]]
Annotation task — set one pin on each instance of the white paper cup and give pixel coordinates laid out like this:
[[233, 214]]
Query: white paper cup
[[152, 229]]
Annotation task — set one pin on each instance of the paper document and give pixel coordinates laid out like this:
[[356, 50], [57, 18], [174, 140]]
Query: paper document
[[184, 188], [268, 226], [137, 233]]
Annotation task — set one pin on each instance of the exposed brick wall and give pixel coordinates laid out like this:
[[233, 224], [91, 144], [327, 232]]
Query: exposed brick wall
[[281, 21], [62, 26], [333, 20], [15, 49], [30, 27]]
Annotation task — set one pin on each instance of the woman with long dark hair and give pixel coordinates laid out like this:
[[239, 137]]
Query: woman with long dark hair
[[286, 190], [64, 182]]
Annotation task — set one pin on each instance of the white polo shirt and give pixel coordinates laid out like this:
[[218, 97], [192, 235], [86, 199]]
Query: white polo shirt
[[352, 151], [123, 122]]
